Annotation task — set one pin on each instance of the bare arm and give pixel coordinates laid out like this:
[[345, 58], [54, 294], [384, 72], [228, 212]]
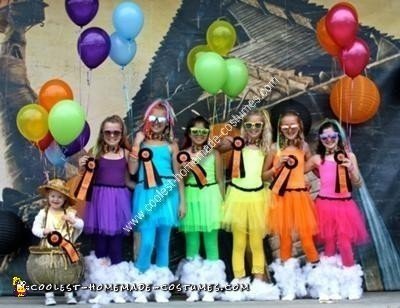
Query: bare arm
[[128, 181], [133, 159], [354, 171], [311, 164], [219, 172], [175, 164], [268, 169]]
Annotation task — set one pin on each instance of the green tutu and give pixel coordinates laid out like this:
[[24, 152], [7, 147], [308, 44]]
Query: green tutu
[[203, 206]]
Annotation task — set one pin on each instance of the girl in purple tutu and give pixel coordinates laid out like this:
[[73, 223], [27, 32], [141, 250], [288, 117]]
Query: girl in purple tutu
[[340, 221], [108, 210]]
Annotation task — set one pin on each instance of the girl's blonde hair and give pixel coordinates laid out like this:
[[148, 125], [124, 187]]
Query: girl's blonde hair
[[266, 135], [170, 114], [99, 148], [282, 141]]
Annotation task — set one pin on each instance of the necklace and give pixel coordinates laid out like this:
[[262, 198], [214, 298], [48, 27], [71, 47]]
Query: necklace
[[255, 142], [330, 151], [196, 148], [155, 136]]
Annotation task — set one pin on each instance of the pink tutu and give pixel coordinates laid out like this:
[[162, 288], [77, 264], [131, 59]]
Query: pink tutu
[[340, 218]]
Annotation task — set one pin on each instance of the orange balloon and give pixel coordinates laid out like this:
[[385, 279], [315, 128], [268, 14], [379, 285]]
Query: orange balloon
[[53, 91], [355, 100], [216, 131], [325, 40]]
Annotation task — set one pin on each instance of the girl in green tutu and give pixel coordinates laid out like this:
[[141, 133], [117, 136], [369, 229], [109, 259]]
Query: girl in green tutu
[[202, 169]]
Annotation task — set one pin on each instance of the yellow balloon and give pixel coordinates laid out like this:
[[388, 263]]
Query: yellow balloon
[[32, 122], [193, 55], [221, 37]]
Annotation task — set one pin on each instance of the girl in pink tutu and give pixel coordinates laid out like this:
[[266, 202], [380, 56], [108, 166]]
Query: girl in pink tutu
[[340, 221]]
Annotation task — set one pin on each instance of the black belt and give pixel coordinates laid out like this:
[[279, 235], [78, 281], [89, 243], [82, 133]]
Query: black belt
[[162, 177], [334, 198], [296, 189], [247, 189], [195, 185]]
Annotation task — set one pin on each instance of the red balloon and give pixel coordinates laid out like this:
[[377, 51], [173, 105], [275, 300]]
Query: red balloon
[[342, 24], [44, 143], [355, 58]]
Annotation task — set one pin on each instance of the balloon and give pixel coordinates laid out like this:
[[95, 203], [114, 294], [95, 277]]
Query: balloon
[[355, 100], [221, 37], [325, 40], [210, 72], [55, 155], [122, 51], [32, 122], [81, 12], [342, 24], [42, 144], [93, 46], [66, 121], [355, 58], [237, 77], [128, 20], [79, 143], [54, 91], [193, 54]]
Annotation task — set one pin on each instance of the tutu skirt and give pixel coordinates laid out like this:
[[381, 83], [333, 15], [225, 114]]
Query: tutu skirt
[[245, 211], [203, 209], [293, 212], [340, 218], [156, 206], [108, 211]]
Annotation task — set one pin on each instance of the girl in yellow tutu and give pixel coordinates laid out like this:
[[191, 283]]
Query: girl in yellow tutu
[[246, 203]]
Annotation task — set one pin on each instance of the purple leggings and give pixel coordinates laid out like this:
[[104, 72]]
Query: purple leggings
[[109, 246]]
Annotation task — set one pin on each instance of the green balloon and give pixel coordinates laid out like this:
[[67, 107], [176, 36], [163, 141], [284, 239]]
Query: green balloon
[[66, 121], [210, 71], [237, 77]]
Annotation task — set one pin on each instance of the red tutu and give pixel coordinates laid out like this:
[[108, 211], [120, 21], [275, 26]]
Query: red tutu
[[340, 218]]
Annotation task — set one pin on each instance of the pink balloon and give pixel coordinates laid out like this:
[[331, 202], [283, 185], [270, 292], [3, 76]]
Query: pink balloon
[[342, 24], [354, 58]]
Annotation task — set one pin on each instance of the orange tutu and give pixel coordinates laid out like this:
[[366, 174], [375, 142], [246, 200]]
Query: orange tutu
[[293, 212]]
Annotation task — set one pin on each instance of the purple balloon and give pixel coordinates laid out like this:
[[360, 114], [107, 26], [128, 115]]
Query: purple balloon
[[94, 46], [81, 12], [79, 143]]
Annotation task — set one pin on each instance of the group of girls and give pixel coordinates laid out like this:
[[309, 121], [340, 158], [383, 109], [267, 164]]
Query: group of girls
[[266, 193]]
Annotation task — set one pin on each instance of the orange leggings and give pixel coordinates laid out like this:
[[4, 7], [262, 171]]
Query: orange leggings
[[307, 244]]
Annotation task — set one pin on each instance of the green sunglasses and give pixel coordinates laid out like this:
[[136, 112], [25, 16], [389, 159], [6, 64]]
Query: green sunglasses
[[195, 131]]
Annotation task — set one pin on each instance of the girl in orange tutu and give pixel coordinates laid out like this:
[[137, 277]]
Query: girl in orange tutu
[[292, 209]]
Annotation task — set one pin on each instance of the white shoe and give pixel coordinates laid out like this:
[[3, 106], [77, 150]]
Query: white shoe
[[336, 296], [49, 299], [118, 299], [141, 298], [95, 300], [208, 297], [289, 297], [160, 297], [193, 297], [71, 300]]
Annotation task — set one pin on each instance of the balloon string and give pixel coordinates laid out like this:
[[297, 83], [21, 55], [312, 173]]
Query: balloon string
[[215, 114], [125, 88], [88, 82], [351, 110], [80, 68]]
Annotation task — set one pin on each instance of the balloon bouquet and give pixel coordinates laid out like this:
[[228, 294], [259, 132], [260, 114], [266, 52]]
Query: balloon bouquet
[[56, 125], [354, 98], [212, 72]]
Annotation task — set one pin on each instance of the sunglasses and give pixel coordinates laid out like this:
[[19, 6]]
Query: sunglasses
[[250, 125], [109, 133], [195, 131], [288, 127], [153, 118], [325, 137]]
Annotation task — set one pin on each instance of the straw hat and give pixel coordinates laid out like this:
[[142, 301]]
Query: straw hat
[[60, 186]]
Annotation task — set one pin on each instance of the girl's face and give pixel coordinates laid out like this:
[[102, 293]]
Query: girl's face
[[254, 126], [158, 120], [199, 134], [290, 127], [112, 133], [56, 199], [329, 138]]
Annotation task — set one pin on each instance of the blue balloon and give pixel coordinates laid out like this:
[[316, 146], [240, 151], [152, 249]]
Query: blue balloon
[[122, 51], [128, 20], [55, 155]]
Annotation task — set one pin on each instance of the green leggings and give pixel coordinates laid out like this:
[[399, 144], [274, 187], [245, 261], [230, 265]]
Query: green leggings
[[210, 244]]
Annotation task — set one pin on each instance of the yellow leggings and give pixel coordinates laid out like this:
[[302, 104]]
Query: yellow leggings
[[239, 250]]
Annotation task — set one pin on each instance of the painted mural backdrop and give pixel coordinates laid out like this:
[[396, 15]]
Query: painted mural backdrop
[[276, 39]]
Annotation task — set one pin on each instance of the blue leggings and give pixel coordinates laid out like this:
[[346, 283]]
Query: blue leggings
[[148, 238]]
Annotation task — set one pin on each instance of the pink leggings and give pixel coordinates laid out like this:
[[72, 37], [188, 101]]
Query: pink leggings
[[344, 246]]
